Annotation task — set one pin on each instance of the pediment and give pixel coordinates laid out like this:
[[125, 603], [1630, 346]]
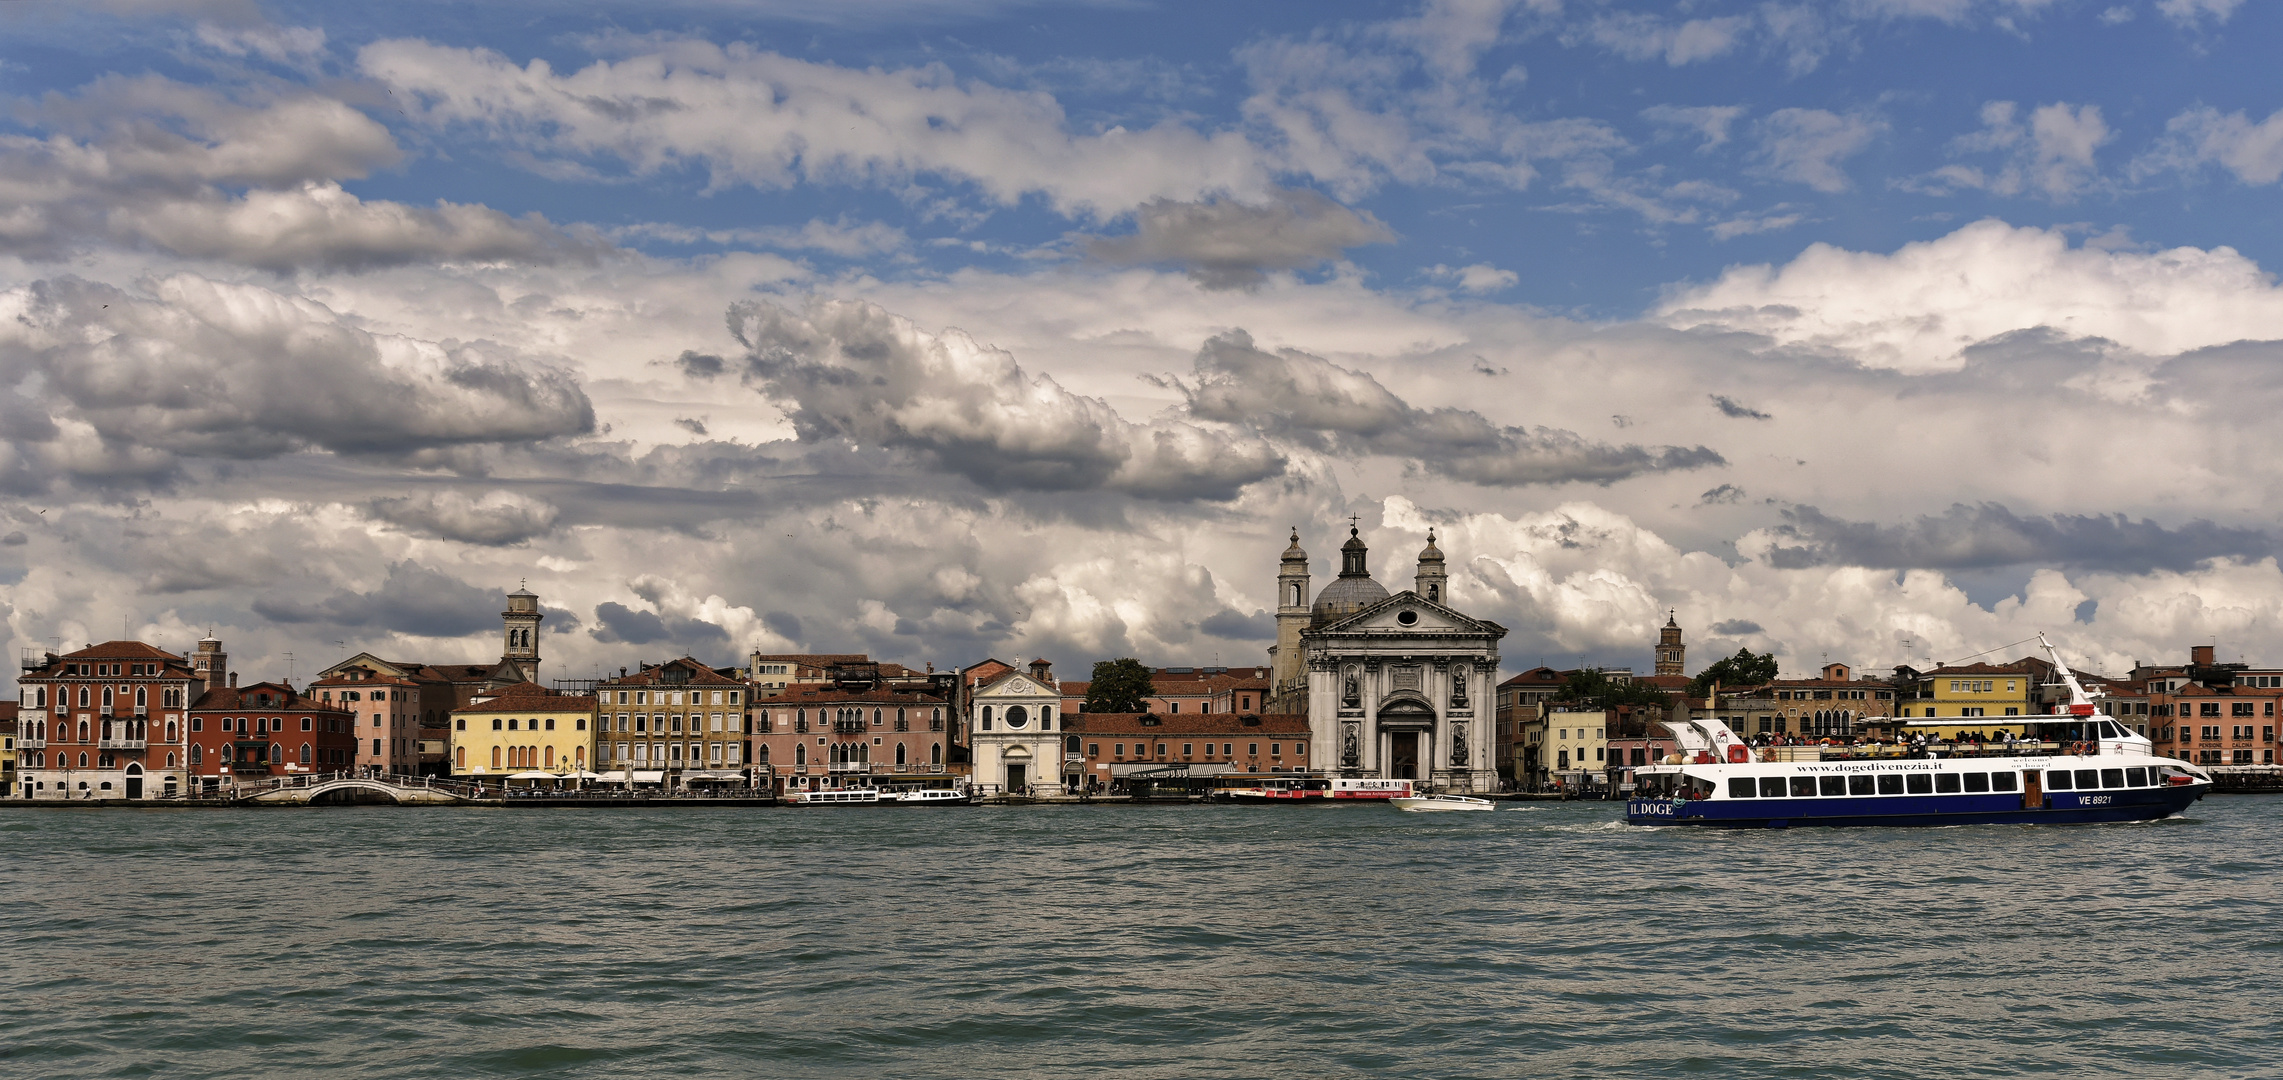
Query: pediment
[[1015, 685], [1388, 617]]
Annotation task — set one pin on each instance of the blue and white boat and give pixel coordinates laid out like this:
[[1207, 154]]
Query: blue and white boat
[[2077, 766]]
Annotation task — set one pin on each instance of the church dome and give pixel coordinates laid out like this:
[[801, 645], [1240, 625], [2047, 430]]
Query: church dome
[[1352, 590]]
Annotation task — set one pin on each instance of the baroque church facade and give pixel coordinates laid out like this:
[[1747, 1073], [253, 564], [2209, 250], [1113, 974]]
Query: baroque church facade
[[1395, 686]]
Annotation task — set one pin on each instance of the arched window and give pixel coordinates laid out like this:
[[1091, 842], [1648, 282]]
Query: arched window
[[761, 754], [83, 731], [495, 757], [83, 759], [197, 754], [170, 759], [277, 753], [875, 717], [170, 731], [935, 756], [83, 697], [899, 753], [1046, 718], [460, 757], [550, 759], [142, 697], [986, 719], [305, 753], [800, 753], [1070, 745]]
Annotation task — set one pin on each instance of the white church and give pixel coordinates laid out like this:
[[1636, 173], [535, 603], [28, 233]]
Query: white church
[[1395, 686]]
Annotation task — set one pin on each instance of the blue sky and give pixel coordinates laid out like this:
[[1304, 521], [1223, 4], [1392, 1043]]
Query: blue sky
[[1759, 297]]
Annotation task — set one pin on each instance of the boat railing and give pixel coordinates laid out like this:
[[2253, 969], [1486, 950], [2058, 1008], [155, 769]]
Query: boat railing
[[1896, 752]]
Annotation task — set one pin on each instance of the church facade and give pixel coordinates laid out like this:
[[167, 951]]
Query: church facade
[[1395, 686]]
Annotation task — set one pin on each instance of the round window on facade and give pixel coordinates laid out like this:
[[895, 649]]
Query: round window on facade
[[1407, 618], [1017, 716]]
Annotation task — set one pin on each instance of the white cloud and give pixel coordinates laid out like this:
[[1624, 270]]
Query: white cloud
[[1227, 244], [844, 238], [1645, 37], [2194, 12], [2205, 136], [1807, 145], [498, 517], [757, 118], [2051, 155], [1477, 278], [1918, 308], [1710, 121]]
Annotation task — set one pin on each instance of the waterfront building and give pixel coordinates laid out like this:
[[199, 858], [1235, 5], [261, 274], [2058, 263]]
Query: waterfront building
[[1520, 736], [1834, 705], [1578, 743], [389, 712], [520, 729], [241, 734], [446, 687], [105, 722], [2215, 725], [850, 735], [1101, 751], [1399, 686], [1977, 692], [675, 723], [8, 710], [1190, 690], [1015, 732]]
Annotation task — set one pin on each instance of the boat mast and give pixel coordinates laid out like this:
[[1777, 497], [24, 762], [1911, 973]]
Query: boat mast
[[2080, 702]]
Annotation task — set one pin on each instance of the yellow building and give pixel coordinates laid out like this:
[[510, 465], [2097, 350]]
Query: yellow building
[[1576, 749], [1980, 696], [522, 728]]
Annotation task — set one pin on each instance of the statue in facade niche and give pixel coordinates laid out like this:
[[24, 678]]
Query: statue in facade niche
[[1353, 695], [1458, 748], [1459, 691], [1351, 754]]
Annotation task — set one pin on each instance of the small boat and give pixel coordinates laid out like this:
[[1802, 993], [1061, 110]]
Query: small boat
[[928, 797], [834, 797], [1428, 804]]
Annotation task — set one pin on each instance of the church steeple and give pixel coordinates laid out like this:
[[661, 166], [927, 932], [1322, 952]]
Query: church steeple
[[1433, 583], [1670, 651], [521, 632], [1287, 665]]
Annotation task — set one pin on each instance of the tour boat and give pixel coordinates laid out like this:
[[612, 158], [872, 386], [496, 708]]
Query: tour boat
[[2082, 768], [1344, 788], [1303, 788], [1426, 804], [928, 797], [835, 797]]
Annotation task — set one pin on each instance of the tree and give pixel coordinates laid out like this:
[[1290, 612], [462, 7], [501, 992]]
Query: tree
[[1120, 686], [1746, 668], [1593, 687]]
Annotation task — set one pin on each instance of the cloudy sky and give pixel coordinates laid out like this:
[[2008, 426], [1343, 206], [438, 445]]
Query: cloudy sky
[[1873, 330]]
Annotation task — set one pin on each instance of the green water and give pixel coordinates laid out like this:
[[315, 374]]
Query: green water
[[1130, 942]]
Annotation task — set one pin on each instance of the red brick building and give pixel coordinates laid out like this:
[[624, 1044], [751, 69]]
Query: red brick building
[[245, 733], [105, 722], [815, 738], [1101, 749], [390, 711]]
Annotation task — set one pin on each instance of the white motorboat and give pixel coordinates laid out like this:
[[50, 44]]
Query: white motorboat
[[1427, 804], [928, 797], [834, 797]]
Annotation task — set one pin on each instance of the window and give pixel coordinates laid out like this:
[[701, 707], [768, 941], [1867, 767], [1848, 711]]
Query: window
[[460, 724], [1946, 783], [582, 723], [2112, 778], [1742, 787], [1919, 783], [1188, 750], [1253, 749], [1121, 747], [2239, 708], [2209, 708], [1093, 749], [197, 723], [1890, 783], [550, 723], [495, 723], [1803, 787], [2001, 781], [1276, 749], [2057, 780], [1772, 787], [1977, 782]]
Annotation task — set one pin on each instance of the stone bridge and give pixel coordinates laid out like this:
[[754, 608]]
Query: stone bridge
[[339, 789]]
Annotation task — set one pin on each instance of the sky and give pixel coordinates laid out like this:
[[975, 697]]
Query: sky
[[1879, 331]]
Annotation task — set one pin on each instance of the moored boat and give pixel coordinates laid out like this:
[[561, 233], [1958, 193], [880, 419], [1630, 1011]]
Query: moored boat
[[2081, 767], [1428, 804], [862, 796], [928, 797]]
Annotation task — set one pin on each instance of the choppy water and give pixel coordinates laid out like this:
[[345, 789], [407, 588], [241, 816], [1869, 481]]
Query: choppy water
[[1130, 942]]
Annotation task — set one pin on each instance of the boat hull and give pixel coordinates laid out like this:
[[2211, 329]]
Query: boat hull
[[2060, 808]]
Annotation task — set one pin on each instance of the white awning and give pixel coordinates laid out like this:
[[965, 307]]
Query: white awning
[[641, 777], [711, 774], [535, 774]]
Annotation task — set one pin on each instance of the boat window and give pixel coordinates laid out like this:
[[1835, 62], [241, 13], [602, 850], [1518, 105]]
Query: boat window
[[1833, 785], [1977, 781], [1771, 787], [2112, 777], [1742, 787], [2136, 777], [2001, 781], [2057, 780], [1803, 787], [1862, 784], [1890, 783], [1920, 783], [1946, 783], [2087, 779]]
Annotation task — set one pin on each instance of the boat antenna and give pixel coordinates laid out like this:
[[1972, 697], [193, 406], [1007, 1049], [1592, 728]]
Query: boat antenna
[[2080, 702]]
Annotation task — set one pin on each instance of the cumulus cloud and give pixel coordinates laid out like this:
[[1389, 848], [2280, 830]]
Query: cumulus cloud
[[618, 623], [499, 517], [205, 368], [761, 119], [1807, 145], [414, 599], [147, 162], [1296, 395], [1710, 122], [851, 370], [1920, 307], [2051, 154], [843, 238], [1478, 278], [1638, 36], [2204, 136], [1990, 535], [1228, 244]]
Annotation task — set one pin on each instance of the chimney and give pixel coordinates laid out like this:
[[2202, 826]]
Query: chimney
[[2201, 655], [233, 680]]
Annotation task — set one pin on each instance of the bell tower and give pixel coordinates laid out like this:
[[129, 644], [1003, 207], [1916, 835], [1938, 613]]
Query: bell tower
[[521, 633], [1670, 651], [1288, 668], [210, 664], [1433, 584]]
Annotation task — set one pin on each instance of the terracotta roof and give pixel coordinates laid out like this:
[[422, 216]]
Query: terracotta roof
[[1182, 724], [656, 676], [848, 697], [1540, 676], [375, 678], [522, 697], [239, 698], [123, 650]]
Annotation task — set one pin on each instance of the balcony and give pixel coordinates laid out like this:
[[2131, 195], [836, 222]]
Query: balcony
[[122, 744], [35, 742]]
